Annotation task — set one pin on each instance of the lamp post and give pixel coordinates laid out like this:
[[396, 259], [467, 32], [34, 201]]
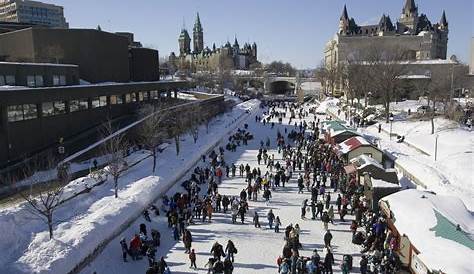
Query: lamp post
[[391, 122], [436, 147]]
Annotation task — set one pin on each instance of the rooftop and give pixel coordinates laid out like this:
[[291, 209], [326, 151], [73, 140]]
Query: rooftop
[[430, 221]]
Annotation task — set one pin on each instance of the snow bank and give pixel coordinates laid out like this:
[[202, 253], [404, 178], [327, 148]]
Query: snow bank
[[415, 216], [97, 216], [324, 105]]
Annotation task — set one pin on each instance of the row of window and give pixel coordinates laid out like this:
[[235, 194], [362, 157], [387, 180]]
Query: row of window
[[30, 111], [32, 80]]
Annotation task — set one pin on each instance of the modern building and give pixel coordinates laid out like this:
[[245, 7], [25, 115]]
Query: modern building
[[413, 32], [32, 12], [101, 56], [203, 58], [37, 75], [34, 119]]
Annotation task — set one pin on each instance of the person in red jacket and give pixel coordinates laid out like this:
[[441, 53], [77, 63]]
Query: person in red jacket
[[135, 247]]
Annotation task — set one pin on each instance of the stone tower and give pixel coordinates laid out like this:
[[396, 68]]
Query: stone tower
[[184, 42], [198, 36], [443, 37], [409, 17]]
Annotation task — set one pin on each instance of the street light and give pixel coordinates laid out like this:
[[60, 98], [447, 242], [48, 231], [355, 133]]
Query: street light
[[391, 122], [436, 146]]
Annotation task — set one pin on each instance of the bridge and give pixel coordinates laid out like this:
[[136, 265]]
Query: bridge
[[283, 84]]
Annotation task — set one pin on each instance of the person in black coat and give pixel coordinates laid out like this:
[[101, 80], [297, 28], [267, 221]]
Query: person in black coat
[[328, 261]]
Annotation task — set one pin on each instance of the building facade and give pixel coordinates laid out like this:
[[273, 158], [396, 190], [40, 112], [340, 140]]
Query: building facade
[[413, 32], [100, 55], [32, 12], [66, 112], [201, 58]]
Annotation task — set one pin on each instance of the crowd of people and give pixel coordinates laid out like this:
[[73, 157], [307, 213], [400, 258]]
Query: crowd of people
[[307, 161]]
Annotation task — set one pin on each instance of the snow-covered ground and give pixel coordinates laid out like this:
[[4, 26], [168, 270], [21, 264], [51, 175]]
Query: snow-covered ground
[[258, 249], [452, 171], [93, 217]]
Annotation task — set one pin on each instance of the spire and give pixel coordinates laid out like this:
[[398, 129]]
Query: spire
[[236, 43], [197, 24], [443, 22], [410, 7], [344, 15]]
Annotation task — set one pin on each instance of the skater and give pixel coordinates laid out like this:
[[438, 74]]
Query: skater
[[217, 251], [328, 261], [270, 218], [327, 238], [231, 250], [192, 259], [277, 224], [187, 240], [256, 222], [303, 208], [125, 251]]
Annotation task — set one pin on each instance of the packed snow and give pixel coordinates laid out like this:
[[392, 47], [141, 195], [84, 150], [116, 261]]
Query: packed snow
[[258, 249]]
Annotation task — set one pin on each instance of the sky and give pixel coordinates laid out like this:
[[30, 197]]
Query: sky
[[292, 31]]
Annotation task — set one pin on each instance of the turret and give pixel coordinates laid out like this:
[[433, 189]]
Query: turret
[[409, 17], [344, 22], [443, 23]]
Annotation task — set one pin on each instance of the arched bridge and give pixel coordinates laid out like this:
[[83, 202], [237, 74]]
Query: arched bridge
[[279, 84]]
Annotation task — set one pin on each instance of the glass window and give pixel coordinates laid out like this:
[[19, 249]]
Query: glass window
[[59, 107], [2, 80], [54, 108], [113, 99], [95, 102], [154, 94], [73, 105], [62, 80], [55, 80], [30, 111], [140, 96], [83, 104], [127, 98], [133, 96], [15, 113], [39, 80], [48, 109], [103, 101], [145, 96], [30, 81], [80, 104]]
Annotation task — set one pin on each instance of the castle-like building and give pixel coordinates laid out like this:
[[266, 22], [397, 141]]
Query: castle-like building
[[413, 32], [202, 58]]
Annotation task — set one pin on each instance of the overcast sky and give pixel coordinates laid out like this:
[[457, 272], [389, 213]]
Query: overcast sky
[[293, 31]]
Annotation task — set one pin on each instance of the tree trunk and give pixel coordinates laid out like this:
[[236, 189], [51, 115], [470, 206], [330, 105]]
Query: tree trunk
[[365, 99], [116, 185], [176, 142], [50, 225], [154, 160]]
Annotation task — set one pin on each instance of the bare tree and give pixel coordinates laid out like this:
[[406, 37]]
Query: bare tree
[[386, 66], [114, 150], [193, 121], [42, 201], [151, 132]]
